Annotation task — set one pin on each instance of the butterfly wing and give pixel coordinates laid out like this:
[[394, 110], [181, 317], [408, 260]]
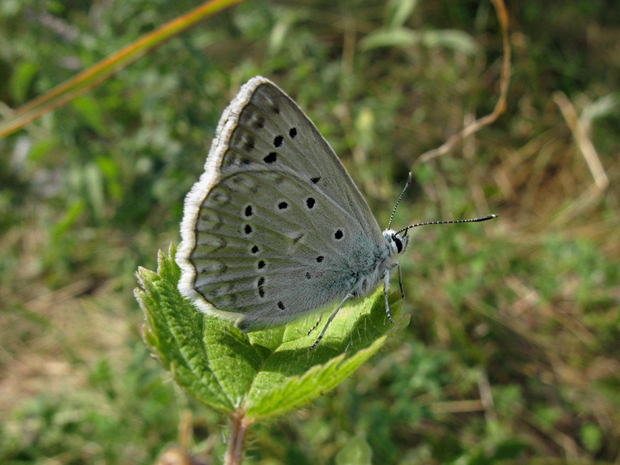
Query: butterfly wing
[[275, 227]]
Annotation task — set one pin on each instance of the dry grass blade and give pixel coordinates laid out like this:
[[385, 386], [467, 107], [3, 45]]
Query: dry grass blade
[[96, 74], [583, 141], [500, 106]]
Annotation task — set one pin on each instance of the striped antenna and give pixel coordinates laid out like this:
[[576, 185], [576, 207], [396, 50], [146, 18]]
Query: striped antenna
[[399, 198], [471, 220]]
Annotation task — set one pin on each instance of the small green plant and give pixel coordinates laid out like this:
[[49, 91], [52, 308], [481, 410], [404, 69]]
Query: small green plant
[[250, 377]]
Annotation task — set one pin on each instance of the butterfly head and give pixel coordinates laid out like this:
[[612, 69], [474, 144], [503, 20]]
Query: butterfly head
[[395, 241]]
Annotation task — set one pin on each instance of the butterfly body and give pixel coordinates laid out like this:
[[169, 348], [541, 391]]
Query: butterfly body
[[275, 228]]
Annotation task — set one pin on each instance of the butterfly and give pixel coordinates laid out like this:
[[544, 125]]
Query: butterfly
[[275, 228]]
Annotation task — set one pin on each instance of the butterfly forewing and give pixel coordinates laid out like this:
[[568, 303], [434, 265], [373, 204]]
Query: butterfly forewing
[[273, 133]]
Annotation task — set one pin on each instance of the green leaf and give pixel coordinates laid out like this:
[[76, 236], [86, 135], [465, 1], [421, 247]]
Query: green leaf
[[399, 11], [591, 437], [90, 112], [93, 183], [393, 37], [68, 219], [452, 39], [403, 37], [265, 373], [355, 452], [22, 79]]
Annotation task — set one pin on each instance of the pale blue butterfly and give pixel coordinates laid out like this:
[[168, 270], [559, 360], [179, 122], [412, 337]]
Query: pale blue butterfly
[[275, 228]]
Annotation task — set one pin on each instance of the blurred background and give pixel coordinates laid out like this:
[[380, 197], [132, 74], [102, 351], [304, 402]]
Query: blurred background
[[513, 350]]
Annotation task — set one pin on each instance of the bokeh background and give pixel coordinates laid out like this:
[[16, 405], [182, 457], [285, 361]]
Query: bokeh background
[[512, 354]]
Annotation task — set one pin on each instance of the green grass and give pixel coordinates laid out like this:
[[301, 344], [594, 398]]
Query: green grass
[[513, 347]]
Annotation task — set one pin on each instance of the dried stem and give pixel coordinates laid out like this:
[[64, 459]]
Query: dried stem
[[500, 106], [583, 141]]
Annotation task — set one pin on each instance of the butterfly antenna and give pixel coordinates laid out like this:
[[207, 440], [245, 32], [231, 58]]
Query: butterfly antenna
[[471, 220], [399, 199]]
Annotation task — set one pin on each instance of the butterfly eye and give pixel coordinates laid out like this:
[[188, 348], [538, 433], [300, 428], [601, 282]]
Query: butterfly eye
[[398, 242]]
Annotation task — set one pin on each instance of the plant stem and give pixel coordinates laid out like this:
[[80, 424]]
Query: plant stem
[[235, 444]]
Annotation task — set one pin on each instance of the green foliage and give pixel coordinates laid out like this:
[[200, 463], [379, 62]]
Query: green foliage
[[262, 374], [132, 408]]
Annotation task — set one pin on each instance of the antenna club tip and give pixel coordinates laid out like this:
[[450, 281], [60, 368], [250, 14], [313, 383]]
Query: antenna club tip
[[493, 215]]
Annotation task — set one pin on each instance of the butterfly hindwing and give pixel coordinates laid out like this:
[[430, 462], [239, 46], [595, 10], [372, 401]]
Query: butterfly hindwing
[[270, 247]]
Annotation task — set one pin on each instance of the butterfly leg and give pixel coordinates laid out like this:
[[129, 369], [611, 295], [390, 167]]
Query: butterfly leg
[[331, 317], [315, 325], [400, 282], [386, 285]]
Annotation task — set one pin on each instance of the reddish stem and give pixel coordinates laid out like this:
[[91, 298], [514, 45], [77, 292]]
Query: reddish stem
[[235, 445]]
